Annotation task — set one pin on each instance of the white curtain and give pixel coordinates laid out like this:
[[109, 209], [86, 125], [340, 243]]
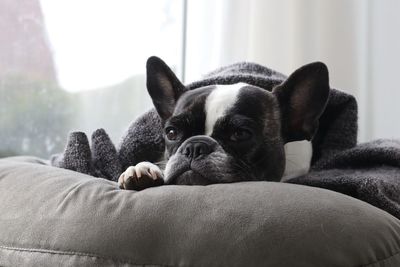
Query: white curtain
[[359, 40]]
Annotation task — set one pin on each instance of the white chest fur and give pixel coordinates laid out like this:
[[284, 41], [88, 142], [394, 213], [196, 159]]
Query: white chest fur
[[298, 159]]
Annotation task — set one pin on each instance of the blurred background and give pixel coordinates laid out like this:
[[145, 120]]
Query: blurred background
[[80, 64]]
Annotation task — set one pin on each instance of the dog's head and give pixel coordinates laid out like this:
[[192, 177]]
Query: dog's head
[[229, 133]]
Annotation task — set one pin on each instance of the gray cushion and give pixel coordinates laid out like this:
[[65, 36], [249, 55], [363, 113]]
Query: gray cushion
[[53, 217]]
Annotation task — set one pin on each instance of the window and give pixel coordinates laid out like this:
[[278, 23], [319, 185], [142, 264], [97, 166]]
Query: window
[[78, 66]]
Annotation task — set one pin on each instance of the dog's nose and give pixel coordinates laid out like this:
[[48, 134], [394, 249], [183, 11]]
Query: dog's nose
[[196, 147]]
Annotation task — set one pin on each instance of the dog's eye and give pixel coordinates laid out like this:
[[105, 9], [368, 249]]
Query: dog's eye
[[171, 133], [240, 135]]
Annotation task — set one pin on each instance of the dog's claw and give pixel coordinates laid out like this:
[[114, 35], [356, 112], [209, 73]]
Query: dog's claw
[[141, 176]]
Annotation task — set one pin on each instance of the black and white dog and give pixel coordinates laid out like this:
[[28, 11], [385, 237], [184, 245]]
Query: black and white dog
[[230, 133]]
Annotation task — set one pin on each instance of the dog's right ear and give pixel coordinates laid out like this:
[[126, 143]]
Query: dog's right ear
[[163, 86]]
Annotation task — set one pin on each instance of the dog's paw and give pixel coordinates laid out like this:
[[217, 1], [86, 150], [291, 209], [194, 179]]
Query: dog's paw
[[141, 176]]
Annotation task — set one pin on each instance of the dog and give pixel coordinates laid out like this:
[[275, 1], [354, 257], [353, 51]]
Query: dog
[[230, 133]]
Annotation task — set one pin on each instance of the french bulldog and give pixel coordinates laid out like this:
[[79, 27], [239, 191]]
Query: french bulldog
[[230, 133]]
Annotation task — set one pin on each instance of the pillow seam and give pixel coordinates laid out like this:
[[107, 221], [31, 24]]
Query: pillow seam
[[75, 253], [382, 260]]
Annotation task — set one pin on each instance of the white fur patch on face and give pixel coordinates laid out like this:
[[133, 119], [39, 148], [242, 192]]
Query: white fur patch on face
[[218, 102], [298, 159]]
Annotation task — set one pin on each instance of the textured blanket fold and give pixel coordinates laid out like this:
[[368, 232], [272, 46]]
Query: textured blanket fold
[[367, 171]]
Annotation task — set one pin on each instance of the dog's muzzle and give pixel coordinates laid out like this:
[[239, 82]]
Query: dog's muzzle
[[198, 147], [190, 163]]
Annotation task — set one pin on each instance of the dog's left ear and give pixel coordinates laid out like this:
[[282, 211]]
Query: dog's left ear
[[302, 99], [163, 86]]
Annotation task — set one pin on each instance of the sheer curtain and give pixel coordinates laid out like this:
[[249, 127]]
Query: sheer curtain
[[357, 39]]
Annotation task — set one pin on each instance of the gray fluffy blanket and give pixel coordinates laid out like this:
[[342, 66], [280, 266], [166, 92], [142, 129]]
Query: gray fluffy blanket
[[369, 172]]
